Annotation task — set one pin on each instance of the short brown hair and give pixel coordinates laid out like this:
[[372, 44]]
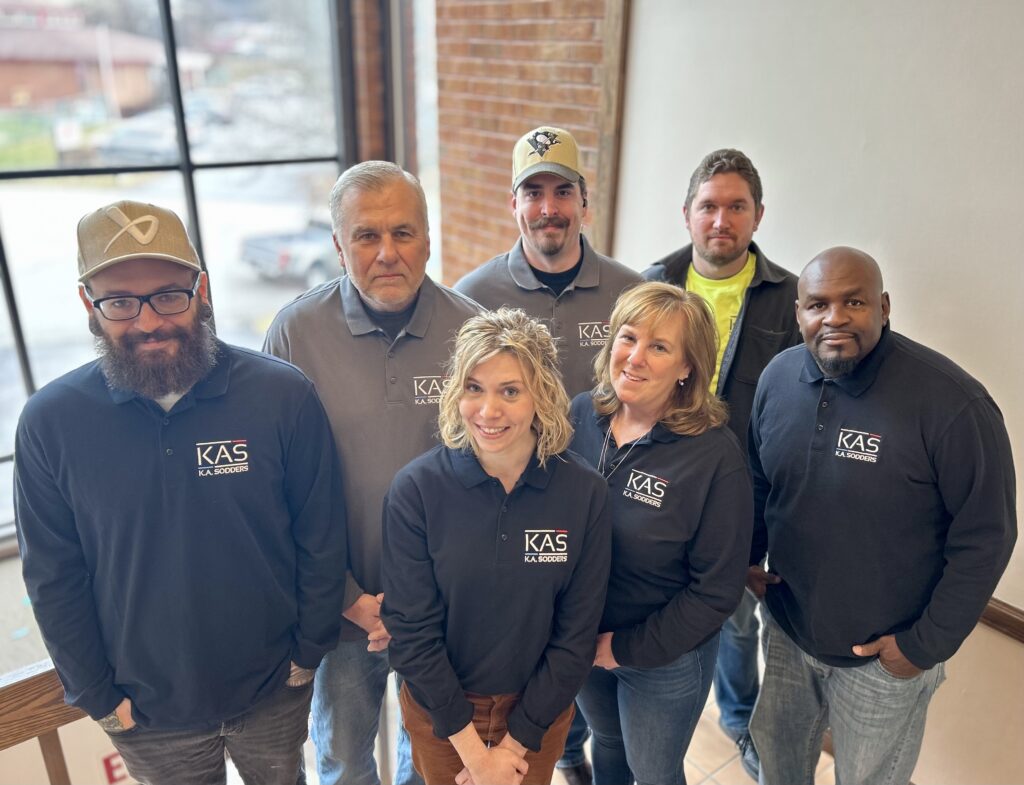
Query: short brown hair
[[508, 330], [726, 161], [693, 408]]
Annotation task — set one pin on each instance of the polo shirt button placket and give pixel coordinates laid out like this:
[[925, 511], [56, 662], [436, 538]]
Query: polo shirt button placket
[[824, 411]]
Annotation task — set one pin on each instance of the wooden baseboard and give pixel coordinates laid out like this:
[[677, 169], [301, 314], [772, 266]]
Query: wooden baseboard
[[1007, 619]]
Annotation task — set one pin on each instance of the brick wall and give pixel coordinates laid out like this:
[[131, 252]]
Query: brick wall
[[504, 68], [370, 86]]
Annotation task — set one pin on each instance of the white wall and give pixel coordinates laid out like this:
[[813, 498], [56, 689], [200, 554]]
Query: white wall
[[895, 127]]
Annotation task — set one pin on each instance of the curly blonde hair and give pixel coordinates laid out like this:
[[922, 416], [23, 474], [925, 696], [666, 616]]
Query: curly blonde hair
[[692, 408], [526, 339]]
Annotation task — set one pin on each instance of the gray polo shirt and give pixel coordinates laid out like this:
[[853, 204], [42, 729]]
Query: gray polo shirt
[[381, 397], [578, 318]]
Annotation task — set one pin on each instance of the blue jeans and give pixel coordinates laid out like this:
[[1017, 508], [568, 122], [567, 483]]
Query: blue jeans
[[736, 671], [877, 720], [347, 695], [265, 745], [643, 718], [579, 732]]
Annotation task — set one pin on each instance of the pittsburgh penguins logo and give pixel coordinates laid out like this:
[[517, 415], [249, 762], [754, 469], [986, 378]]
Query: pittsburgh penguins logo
[[133, 227], [542, 141]]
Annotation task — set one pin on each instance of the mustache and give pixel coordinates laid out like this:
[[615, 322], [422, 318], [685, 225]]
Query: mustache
[[824, 335], [544, 223], [131, 340]]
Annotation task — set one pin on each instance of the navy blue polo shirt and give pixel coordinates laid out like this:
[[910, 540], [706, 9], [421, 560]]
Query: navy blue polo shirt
[[494, 593], [681, 515], [181, 558], [884, 499]]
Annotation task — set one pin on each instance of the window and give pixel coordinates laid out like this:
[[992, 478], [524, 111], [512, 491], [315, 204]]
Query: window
[[226, 111]]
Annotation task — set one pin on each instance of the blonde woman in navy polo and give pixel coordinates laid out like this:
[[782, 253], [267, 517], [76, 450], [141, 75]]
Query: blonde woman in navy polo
[[496, 556], [681, 501]]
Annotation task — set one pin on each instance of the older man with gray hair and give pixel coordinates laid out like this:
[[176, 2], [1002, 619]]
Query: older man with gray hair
[[374, 342]]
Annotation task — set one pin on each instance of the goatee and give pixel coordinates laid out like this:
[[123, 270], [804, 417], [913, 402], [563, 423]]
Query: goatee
[[834, 367], [157, 374]]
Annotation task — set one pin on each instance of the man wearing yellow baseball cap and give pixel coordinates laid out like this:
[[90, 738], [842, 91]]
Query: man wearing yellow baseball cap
[[552, 272]]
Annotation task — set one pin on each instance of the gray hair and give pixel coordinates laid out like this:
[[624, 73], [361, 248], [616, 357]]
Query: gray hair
[[371, 176]]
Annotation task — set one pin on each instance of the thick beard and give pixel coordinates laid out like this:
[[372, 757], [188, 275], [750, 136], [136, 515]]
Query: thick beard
[[158, 376]]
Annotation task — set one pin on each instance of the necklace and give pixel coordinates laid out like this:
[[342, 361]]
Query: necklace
[[604, 450]]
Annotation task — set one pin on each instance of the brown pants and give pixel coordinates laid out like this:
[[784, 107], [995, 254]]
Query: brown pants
[[436, 759]]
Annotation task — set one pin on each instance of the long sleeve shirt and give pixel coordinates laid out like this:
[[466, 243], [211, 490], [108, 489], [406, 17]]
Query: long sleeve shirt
[[181, 559], [494, 593], [884, 498], [681, 512]]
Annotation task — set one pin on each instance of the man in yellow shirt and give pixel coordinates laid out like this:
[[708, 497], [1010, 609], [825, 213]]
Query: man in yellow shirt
[[753, 301]]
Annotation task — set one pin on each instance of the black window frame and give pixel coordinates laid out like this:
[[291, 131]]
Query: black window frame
[[343, 72]]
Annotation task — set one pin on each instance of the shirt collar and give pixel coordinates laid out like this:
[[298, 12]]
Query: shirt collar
[[214, 384], [359, 321], [861, 377], [470, 473], [588, 277]]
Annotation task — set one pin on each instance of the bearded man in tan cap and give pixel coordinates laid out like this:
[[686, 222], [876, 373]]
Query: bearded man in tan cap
[[181, 520]]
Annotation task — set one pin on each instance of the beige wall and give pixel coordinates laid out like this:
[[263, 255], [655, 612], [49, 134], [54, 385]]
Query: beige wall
[[894, 127], [974, 726]]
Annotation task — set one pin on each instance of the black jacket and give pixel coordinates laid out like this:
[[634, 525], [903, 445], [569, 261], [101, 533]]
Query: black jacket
[[766, 325]]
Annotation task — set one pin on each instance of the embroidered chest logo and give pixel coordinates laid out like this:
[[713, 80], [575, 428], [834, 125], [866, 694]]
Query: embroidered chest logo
[[546, 546], [225, 457], [858, 445], [427, 389], [646, 488], [593, 334]]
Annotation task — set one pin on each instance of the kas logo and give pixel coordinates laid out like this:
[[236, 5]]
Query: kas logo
[[546, 546], [427, 389], [858, 445], [594, 333], [644, 487], [227, 457]]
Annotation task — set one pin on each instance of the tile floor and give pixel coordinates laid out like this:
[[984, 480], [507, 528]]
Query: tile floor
[[714, 760]]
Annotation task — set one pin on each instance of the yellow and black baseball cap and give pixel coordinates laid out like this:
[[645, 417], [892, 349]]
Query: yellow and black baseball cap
[[546, 150]]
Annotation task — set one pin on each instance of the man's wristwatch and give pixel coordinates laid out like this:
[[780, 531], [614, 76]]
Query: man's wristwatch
[[112, 723]]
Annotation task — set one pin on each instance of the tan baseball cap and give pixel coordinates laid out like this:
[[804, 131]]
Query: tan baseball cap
[[546, 150], [129, 230]]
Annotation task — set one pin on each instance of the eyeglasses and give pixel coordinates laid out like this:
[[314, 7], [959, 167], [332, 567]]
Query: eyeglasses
[[169, 302]]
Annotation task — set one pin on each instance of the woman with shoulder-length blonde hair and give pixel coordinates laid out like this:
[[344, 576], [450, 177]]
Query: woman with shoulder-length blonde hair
[[496, 558], [681, 501]]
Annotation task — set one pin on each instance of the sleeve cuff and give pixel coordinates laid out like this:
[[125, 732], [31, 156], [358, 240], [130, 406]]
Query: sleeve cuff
[[353, 591], [908, 645], [451, 718], [97, 703], [523, 730]]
